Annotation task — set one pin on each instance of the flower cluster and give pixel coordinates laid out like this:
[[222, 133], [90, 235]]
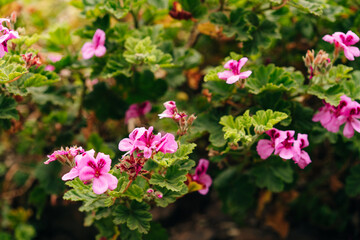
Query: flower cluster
[[283, 143], [133, 166], [65, 155], [344, 42], [144, 142], [319, 64], [137, 110], [234, 74], [96, 47], [332, 117], [200, 181], [31, 60], [5, 36], [184, 121]]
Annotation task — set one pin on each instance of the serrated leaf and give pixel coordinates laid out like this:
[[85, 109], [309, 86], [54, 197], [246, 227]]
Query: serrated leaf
[[270, 78], [136, 216], [352, 186], [168, 159], [312, 7], [134, 192], [265, 120], [173, 180], [331, 95], [169, 196], [11, 71]]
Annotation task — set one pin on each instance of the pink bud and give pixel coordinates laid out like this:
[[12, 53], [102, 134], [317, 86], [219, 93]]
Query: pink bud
[[150, 190]]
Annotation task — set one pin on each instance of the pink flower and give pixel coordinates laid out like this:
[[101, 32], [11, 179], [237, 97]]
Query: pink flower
[[49, 68], [285, 149], [128, 145], [167, 144], [97, 170], [266, 147], [344, 41], [234, 74], [137, 110], [332, 117], [6, 36], [201, 177], [145, 141], [302, 159], [96, 47], [170, 110], [148, 142], [74, 172]]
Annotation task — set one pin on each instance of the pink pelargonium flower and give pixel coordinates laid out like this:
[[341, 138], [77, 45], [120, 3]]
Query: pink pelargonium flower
[[201, 177], [97, 169], [327, 117], [170, 110], [344, 41], [74, 172], [128, 145], [350, 116], [137, 110], [234, 74], [286, 149], [302, 159], [96, 47], [6, 36], [266, 147], [141, 139]]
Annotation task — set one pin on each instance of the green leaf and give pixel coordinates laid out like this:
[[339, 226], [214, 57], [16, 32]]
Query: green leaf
[[173, 180], [48, 176], [212, 74], [265, 120], [139, 51], [352, 186], [218, 18], [115, 8], [169, 196], [8, 108], [134, 192], [208, 122], [272, 174], [193, 6], [156, 232], [136, 216], [159, 3], [233, 186], [270, 78], [11, 71], [24, 231], [234, 130], [312, 7], [330, 95], [261, 37], [168, 159], [97, 143]]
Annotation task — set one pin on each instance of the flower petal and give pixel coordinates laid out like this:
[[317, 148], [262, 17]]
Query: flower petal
[[111, 180], [105, 162], [245, 74], [100, 184], [328, 38], [100, 51], [99, 38], [233, 79], [241, 63], [225, 75], [86, 173], [74, 172], [230, 63], [88, 50], [265, 148], [348, 130]]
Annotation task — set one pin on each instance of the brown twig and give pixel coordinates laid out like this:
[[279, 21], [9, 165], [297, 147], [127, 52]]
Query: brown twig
[[127, 186]]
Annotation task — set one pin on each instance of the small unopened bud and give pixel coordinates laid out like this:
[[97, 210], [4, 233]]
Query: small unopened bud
[[150, 190], [191, 119], [13, 17], [159, 195]]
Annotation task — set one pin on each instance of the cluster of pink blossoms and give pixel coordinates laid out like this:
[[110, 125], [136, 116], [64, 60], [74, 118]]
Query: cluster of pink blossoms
[[332, 117], [283, 143], [234, 74], [171, 111], [5, 36], [95, 47], [344, 42], [87, 167], [142, 139], [65, 155]]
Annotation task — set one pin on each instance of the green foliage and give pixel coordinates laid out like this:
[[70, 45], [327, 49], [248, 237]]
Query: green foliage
[[272, 174], [352, 186], [8, 108], [136, 216], [173, 179], [239, 129], [143, 51], [182, 153], [270, 78]]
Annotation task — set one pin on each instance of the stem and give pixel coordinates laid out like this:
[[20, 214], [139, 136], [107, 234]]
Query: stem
[[193, 36], [222, 4], [134, 15], [127, 186]]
